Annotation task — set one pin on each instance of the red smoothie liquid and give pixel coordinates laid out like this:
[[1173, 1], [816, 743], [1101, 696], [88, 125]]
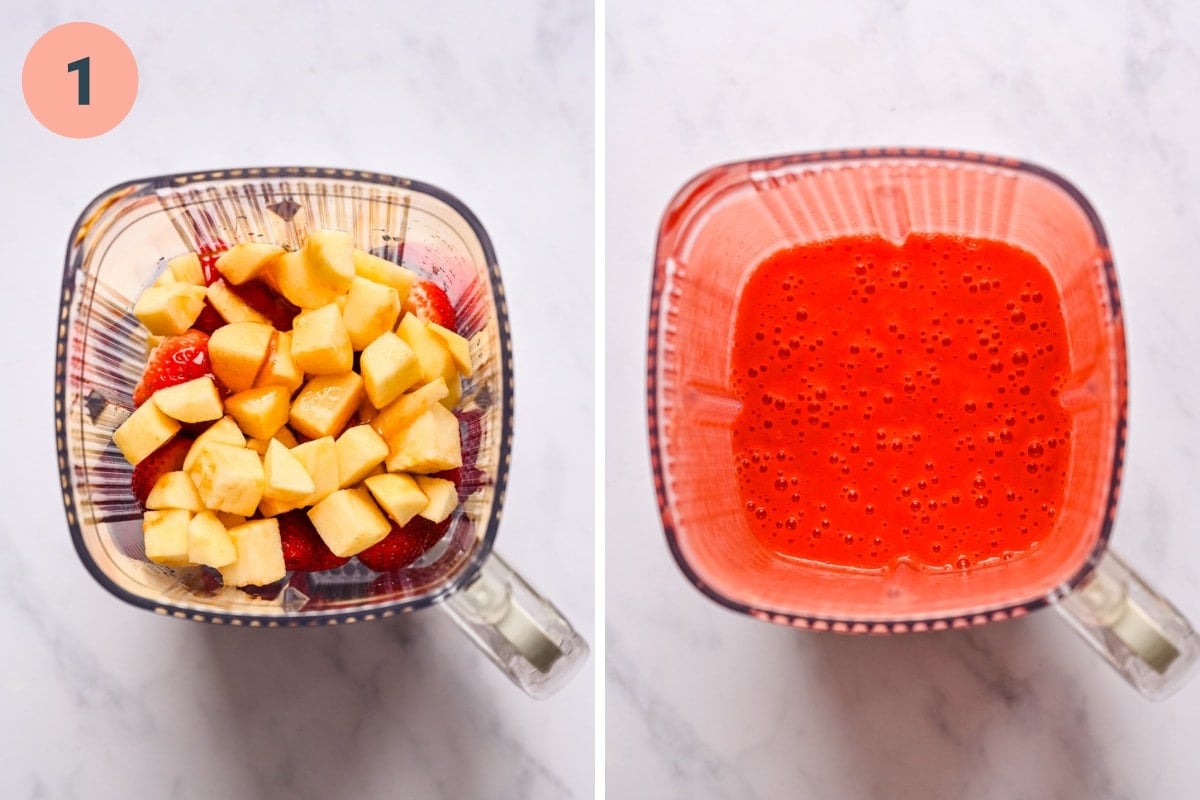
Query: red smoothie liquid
[[901, 403]]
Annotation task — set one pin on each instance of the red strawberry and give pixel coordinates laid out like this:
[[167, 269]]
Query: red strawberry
[[209, 320], [404, 545], [268, 302], [430, 303], [177, 360], [168, 458], [303, 548]]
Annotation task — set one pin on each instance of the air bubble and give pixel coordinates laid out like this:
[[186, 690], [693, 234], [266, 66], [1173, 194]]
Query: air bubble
[[981, 501], [1035, 449], [1020, 358]]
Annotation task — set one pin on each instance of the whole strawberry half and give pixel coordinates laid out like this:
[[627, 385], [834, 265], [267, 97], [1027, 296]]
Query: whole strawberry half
[[429, 302], [168, 458], [403, 545], [303, 548], [178, 359]]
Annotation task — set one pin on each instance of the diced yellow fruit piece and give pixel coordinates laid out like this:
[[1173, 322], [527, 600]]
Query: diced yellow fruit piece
[[292, 276], [223, 431], [443, 497], [400, 413], [169, 310], [453, 390], [380, 270], [286, 437], [330, 255], [259, 445], [146, 430], [229, 520], [260, 412], [389, 368], [229, 478], [325, 404], [231, 307], [186, 269], [246, 260], [320, 343], [153, 341], [208, 541], [319, 459], [165, 278], [287, 480], [349, 521], [371, 310], [259, 554], [280, 368], [397, 494], [174, 490], [430, 444], [431, 351], [196, 400], [460, 348], [165, 536], [237, 352], [359, 450]]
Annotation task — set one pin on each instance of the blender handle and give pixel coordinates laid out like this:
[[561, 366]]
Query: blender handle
[[519, 630], [1139, 633]]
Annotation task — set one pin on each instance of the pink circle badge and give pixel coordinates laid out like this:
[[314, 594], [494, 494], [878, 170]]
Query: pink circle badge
[[80, 80]]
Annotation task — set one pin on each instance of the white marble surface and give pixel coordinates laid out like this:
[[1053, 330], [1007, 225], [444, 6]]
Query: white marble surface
[[101, 700], [703, 703]]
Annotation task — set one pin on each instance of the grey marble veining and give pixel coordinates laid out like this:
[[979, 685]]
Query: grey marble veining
[[102, 700], [704, 703]]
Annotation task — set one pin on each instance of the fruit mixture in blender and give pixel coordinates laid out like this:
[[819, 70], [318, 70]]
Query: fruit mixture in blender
[[295, 411], [901, 402]]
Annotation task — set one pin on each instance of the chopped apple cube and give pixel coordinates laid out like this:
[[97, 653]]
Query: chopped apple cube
[[320, 343], [460, 348], [429, 444], [174, 490], [229, 478], [165, 536], [260, 412], [280, 368], [208, 541], [146, 430], [259, 554], [398, 494], [453, 390], [443, 497], [287, 479], [230, 306], [171, 309], [330, 255], [237, 352], [349, 521], [359, 450], [291, 275], [398, 415], [186, 269], [380, 270], [246, 260], [223, 431], [320, 461], [389, 368], [325, 404], [371, 310], [431, 351], [196, 400]]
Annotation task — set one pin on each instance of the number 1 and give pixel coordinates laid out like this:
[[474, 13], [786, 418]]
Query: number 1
[[83, 67]]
